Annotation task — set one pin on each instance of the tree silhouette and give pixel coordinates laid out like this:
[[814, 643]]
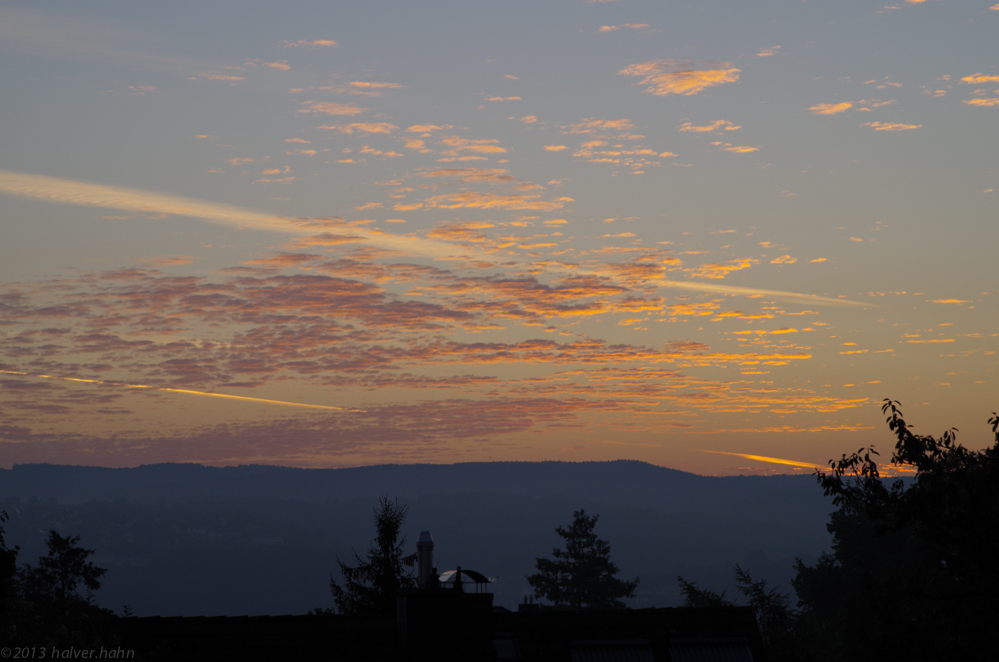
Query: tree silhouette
[[54, 599], [701, 597], [582, 575], [916, 559], [57, 577], [372, 585], [8, 579], [777, 621]]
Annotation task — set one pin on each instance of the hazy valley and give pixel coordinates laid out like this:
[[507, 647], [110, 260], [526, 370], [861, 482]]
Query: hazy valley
[[181, 539]]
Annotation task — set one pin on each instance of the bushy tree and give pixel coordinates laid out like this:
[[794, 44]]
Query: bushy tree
[[913, 571], [53, 600], [58, 576], [372, 585], [581, 575]]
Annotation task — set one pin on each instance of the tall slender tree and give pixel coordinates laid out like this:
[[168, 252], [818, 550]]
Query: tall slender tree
[[581, 575], [372, 585]]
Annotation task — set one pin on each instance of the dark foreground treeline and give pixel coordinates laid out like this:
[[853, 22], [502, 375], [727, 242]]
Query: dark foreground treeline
[[913, 572]]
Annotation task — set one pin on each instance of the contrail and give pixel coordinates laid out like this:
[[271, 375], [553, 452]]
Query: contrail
[[772, 460], [71, 192], [735, 289], [181, 390]]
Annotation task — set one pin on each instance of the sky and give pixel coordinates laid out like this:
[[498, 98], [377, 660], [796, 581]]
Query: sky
[[708, 235]]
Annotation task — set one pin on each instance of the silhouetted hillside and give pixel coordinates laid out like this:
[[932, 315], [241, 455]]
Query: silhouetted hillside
[[188, 539], [624, 482]]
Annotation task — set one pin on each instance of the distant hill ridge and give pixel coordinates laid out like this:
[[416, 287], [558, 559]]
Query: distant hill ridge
[[622, 482]]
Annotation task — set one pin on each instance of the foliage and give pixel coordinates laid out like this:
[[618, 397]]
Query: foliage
[[58, 576], [372, 585], [772, 609], [774, 615], [8, 579], [47, 607], [700, 597], [912, 573], [582, 575]]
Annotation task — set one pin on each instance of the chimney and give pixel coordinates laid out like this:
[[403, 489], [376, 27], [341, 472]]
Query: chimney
[[425, 560]]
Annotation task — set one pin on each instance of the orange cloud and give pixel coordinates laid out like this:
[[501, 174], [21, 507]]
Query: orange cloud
[[427, 128], [767, 52], [377, 152], [671, 77], [508, 201], [891, 126], [784, 259], [983, 103], [283, 66], [738, 149], [325, 43], [831, 108], [457, 144], [330, 108], [977, 79], [362, 127], [714, 126], [590, 125], [473, 175], [369, 84], [713, 270], [554, 148]]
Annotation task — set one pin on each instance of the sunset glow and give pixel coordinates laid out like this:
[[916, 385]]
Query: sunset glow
[[569, 231]]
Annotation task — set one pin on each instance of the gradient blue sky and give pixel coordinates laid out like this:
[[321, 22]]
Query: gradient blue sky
[[684, 233]]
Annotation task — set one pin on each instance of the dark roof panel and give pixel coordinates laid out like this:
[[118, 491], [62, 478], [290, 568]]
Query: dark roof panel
[[612, 651], [708, 651]]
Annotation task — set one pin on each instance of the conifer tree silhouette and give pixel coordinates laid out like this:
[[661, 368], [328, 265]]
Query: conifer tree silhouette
[[372, 585], [582, 575]]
